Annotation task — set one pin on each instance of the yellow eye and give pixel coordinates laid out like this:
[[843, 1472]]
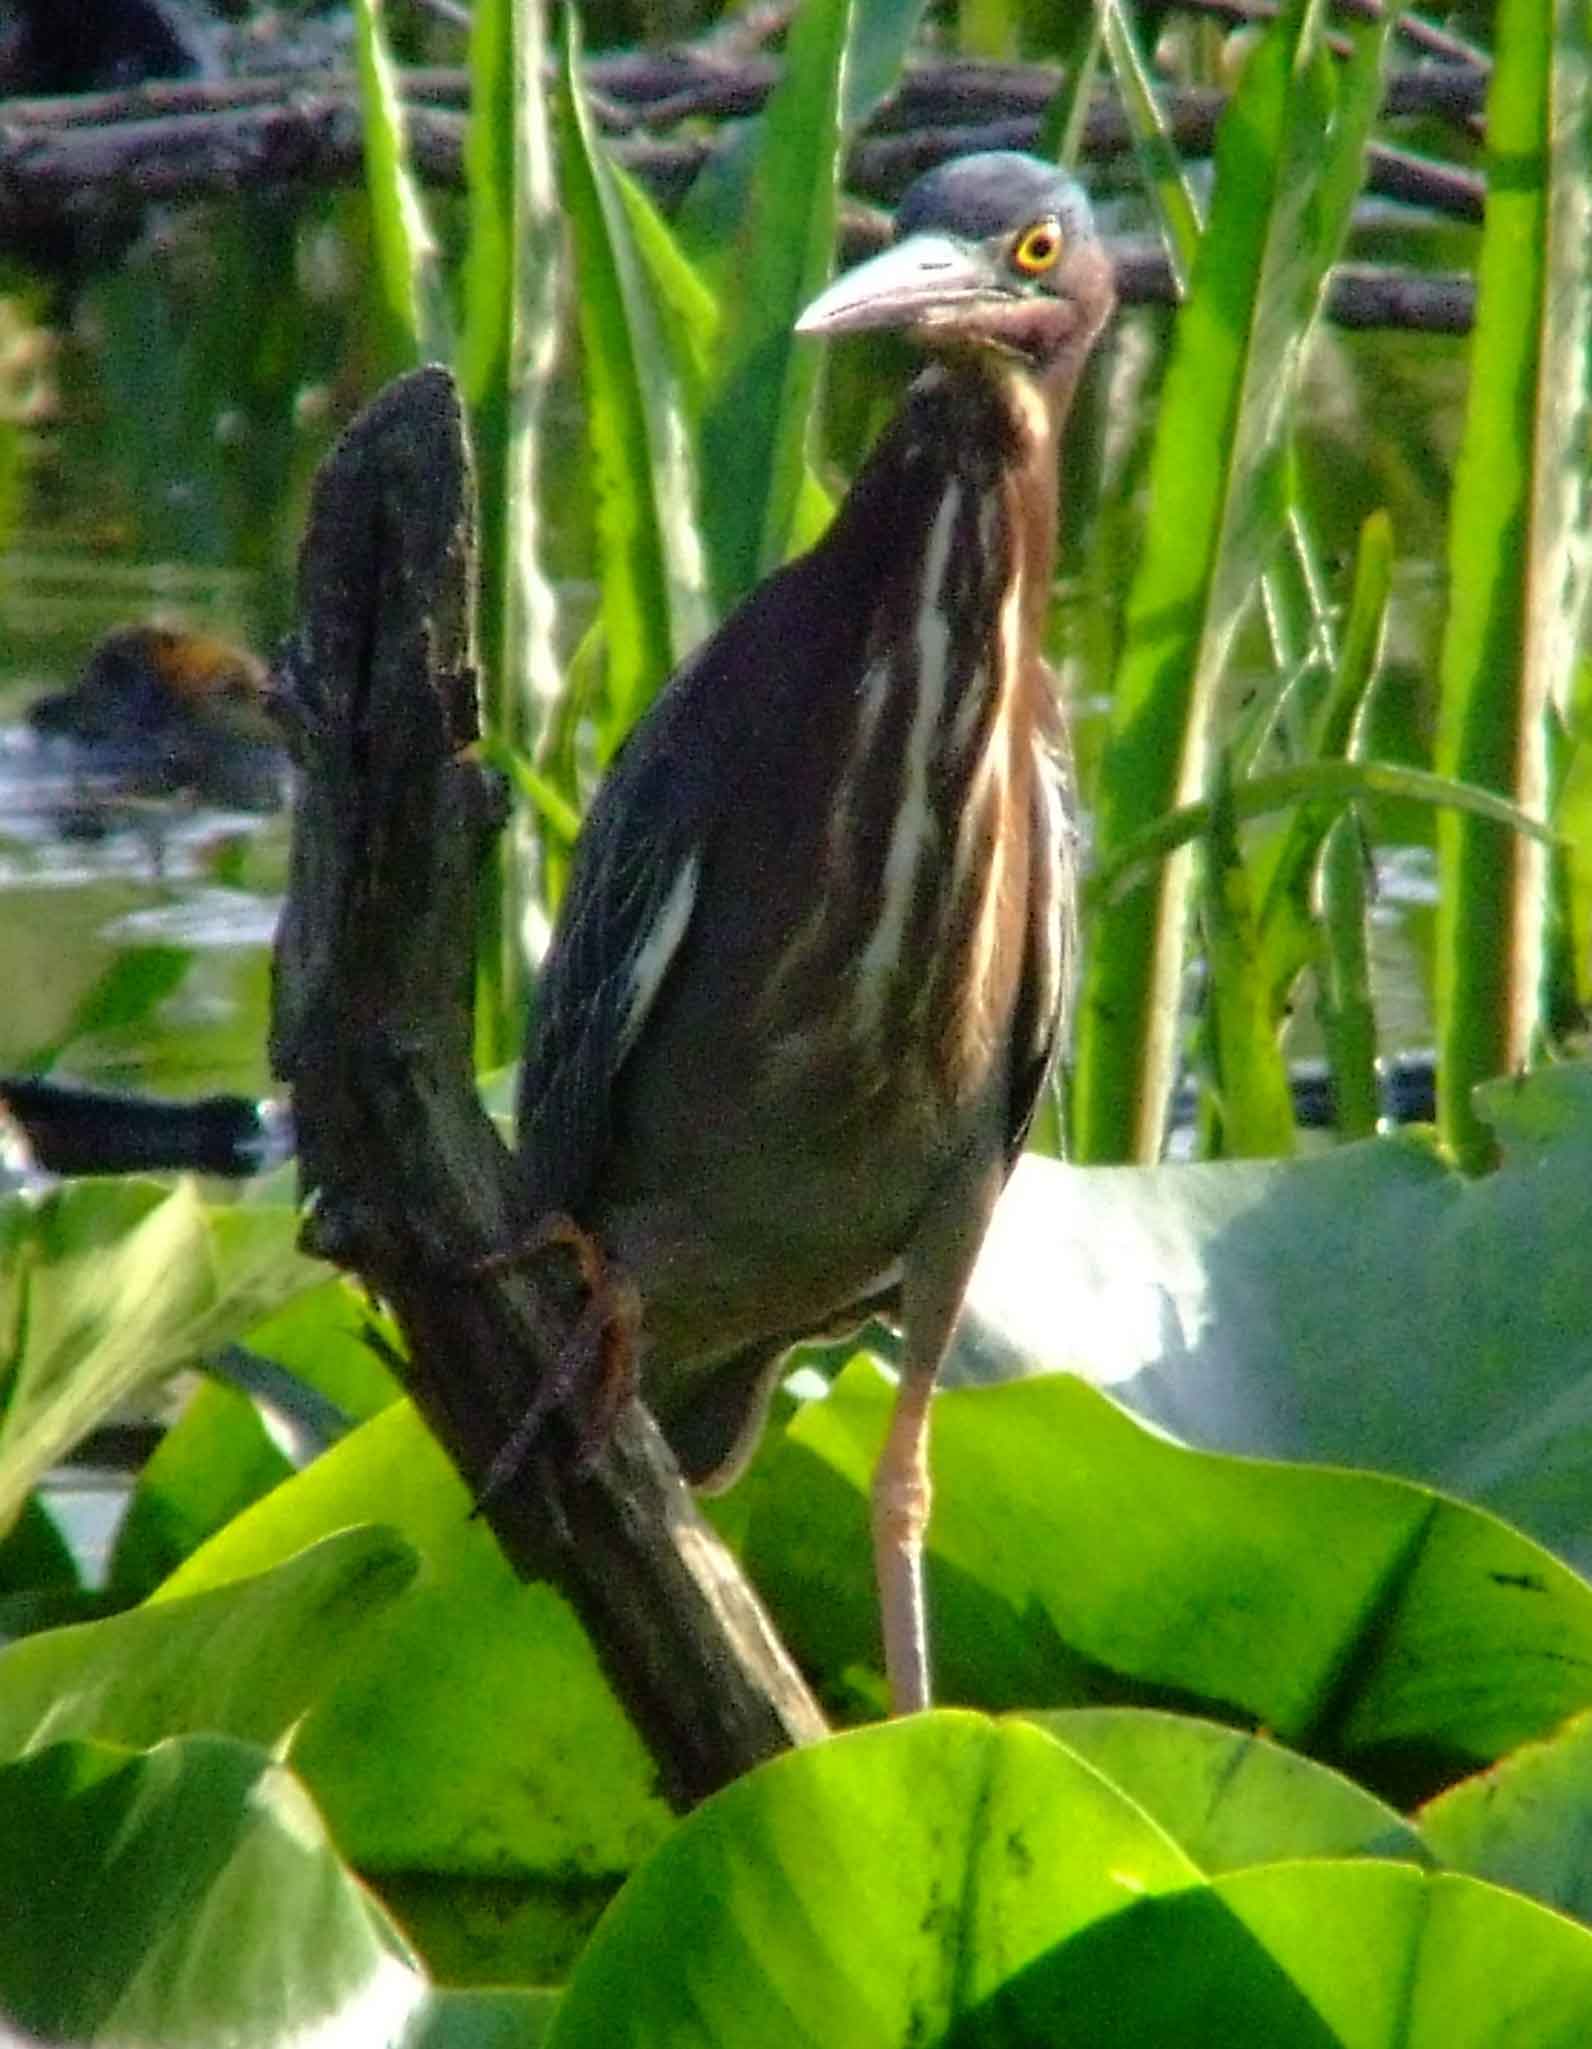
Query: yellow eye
[[1038, 248]]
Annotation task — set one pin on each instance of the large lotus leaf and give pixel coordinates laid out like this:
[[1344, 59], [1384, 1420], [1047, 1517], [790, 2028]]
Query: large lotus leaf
[[1527, 1822], [110, 1285], [185, 1895], [246, 1661], [1230, 1797], [1370, 1307], [873, 1888], [1076, 1556], [217, 1458], [226, 1450], [949, 1881], [471, 1731], [188, 1895], [1312, 1955]]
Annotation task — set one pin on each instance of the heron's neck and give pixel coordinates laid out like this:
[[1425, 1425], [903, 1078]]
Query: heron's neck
[[997, 428], [949, 531]]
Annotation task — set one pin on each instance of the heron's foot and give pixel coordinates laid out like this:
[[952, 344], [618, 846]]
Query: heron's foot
[[594, 1374], [553, 1229]]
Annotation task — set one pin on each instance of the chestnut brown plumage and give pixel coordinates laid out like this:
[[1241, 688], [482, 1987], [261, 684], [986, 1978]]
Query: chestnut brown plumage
[[808, 977]]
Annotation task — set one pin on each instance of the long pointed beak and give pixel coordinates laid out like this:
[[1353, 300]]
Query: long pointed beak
[[925, 275]]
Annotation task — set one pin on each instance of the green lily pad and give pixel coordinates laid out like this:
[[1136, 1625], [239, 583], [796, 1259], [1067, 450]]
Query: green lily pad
[[1369, 1308], [112, 1286], [1315, 1955], [1076, 1557], [872, 1888], [503, 1752], [189, 1895], [222, 1453], [948, 1881], [1228, 1797], [186, 1895], [246, 1662], [215, 1460], [1526, 1822]]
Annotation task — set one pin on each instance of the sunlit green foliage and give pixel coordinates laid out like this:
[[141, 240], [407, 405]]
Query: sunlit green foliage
[[1280, 1720]]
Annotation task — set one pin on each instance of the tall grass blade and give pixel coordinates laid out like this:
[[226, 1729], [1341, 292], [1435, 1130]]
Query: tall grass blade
[[505, 362], [1249, 1106], [1260, 918], [1078, 46], [686, 309], [1518, 546], [1299, 625], [881, 34], [1289, 935], [650, 560], [1348, 1017], [1343, 968], [1160, 165], [1297, 613], [408, 263], [1329, 784], [755, 430], [1217, 510]]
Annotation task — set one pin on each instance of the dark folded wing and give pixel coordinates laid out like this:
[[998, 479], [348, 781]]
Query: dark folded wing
[[632, 890], [1042, 999]]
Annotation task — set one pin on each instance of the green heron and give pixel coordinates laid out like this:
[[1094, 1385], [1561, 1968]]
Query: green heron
[[808, 977]]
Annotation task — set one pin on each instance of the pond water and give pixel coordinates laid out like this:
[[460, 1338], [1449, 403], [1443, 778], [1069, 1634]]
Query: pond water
[[134, 930]]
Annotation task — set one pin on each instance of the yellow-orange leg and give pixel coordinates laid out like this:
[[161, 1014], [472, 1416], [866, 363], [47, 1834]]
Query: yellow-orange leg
[[900, 1516], [933, 1280]]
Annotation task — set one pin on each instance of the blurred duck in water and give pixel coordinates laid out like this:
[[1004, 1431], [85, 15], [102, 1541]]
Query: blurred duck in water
[[165, 711]]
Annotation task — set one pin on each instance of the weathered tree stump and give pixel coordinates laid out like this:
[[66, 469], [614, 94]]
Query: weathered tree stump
[[405, 1178]]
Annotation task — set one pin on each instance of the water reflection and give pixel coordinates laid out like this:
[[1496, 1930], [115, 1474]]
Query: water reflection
[[138, 894]]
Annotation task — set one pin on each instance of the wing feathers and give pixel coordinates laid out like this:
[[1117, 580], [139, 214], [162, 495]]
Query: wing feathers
[[654, 945], [632, 892], [1047, 965]]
